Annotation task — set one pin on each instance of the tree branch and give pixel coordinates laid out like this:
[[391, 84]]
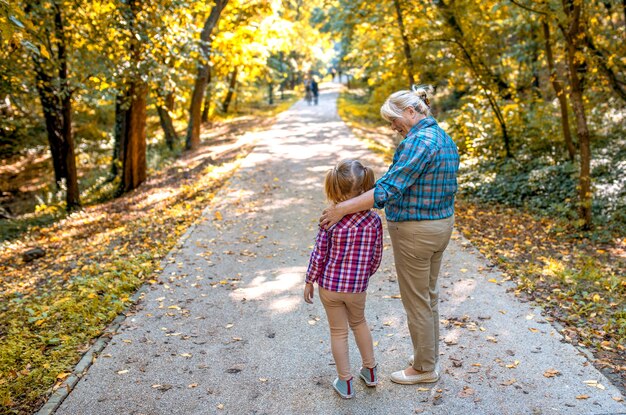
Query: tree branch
[[528, 8]]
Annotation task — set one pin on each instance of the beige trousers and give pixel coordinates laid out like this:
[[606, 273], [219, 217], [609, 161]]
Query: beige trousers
[[417, 250], [343, 310]]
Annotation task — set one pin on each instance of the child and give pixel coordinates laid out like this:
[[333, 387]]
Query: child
[[344, 258]]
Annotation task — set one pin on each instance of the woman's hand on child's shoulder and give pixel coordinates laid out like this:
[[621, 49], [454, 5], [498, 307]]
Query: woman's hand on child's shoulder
[[330, 216], [308, 293]]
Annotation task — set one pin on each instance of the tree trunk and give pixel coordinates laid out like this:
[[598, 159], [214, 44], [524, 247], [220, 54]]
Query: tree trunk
[[118, 135], [231, 90], [133, 133], [270, 93], [171, 138], [207, 101], [133, 145], [170, 101], [57, 108], [195, 109], [560, 92], [405, 41], [574, 36], [72, 197]]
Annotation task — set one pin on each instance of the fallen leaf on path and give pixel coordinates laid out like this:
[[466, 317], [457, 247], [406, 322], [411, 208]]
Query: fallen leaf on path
[[193, 385], [263, 379], [550, 373], [463, 270], [229, 325], [218, 215], [423, 389], [466, 392], [618, 399], [513, 365], [233, 370], [508, 382], [186, 354], [532, 329], [492, 339], [63, 375], [220, 406], [121, 372], [582, 397], [493, 280], [594, 384]]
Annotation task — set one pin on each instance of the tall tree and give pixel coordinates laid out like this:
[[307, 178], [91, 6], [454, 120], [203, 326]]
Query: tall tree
[[232, 84], [482, 72], [132, 106], [559, 90], [197, 98], [50, 60], [405, 41], [574, 34]]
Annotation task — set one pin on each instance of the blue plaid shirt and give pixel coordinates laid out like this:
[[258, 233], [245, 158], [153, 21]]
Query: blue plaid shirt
[[421, 182]]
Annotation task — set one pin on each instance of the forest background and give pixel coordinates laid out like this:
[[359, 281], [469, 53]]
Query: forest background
[[119, 120]]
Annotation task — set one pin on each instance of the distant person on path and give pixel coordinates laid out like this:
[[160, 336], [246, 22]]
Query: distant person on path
[[314, 90], [417, 193], [344, 258], [308, 93]]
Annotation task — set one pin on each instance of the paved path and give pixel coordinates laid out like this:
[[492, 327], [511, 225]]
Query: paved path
[[227, 330]]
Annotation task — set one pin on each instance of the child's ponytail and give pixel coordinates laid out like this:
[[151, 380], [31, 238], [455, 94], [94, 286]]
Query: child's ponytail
[[349, 178], [369, 179]]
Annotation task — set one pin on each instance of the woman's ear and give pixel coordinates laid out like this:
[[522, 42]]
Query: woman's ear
[[412, 112]]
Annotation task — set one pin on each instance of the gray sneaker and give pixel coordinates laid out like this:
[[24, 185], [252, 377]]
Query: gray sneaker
[[369, 375], [344, 388]]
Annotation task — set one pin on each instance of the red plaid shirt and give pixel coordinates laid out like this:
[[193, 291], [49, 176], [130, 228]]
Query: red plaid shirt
[[347, 254]]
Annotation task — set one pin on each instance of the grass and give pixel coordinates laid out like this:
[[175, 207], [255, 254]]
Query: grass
[[53, 308]]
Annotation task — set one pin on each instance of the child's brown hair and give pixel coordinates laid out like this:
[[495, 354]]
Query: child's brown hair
[[349, 178]]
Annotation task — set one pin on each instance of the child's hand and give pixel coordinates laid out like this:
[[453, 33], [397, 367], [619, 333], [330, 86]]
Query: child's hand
[[308, 293]]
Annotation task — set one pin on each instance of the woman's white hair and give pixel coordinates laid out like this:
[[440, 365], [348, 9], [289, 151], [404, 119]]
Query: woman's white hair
[[419, 97]]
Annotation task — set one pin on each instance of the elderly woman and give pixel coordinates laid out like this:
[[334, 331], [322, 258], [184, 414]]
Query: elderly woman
[[417, 193]]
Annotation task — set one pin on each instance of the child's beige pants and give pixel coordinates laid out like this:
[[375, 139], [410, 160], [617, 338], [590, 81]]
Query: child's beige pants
[[343, 310]]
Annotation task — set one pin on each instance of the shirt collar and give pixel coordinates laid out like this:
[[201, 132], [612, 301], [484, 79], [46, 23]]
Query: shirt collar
[[423, 123]]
